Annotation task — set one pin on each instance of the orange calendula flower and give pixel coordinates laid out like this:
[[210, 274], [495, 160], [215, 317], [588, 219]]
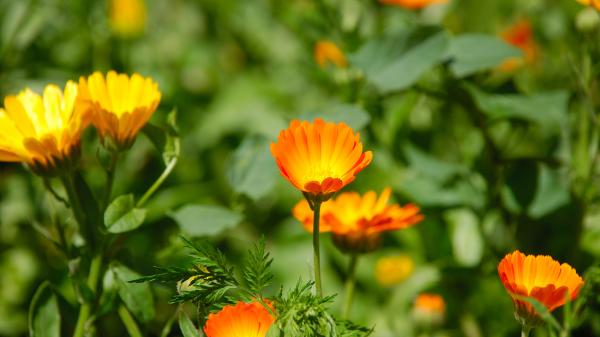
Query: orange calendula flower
[[328, 52], [356, 221], [392, 270], [121, 104], [429, 309], [42, 131], [240, 320], [412, 4], [538, 277], [319, 158], [128, 17], [521, 36], [593, 3]]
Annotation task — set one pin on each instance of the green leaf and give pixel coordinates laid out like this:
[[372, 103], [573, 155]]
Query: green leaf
[[353, 115], [552, 193], [88, 201], [467, 241], [475, 52], [417, 54], [548, 109], [166, 138], [186, 326], [205, 220], [431, 166], [252, 170], [136, 296], [122, 215], [44, 315]]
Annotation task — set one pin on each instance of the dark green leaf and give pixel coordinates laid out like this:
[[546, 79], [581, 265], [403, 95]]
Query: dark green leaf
[[136, 296], [205, 220], [431, 166], [122, 215], [88, 201], [522, 182], [252, 170], [44, 316], [552, 193], [186, 326], [474, 52]]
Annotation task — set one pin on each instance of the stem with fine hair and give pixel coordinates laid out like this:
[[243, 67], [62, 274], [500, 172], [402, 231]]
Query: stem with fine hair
[[86, 308], [110, 177], [316, 249], [350, 285], [157, 183], [132, 328]]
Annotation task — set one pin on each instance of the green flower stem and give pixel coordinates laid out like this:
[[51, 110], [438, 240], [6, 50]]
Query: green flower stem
[[350, 285], [110, 177], [77, 208], [86, 308], [129, 322], [157, 183], [316, 248], [525, 331]]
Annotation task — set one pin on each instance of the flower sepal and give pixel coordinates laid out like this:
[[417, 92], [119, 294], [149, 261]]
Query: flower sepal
[[357, 242], [54, 166]]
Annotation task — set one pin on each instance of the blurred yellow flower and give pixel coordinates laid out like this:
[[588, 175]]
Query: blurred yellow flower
[[239, 320], [328, 52], [539, 277], [121, 105], [127, 17], [429, 309], [412, 4], [356, 221], [521, 36], [392, 270], [42, 131], [319, 158], [593, 3]]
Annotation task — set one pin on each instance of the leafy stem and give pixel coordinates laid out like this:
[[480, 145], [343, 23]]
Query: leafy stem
[[157, 183]]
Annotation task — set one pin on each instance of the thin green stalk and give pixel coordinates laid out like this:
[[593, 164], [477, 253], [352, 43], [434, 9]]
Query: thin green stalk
[[86, 308], [110, 177], [157, 183], [76, 206], [525, 331], [316, 247], [350, 285], [129, 322]]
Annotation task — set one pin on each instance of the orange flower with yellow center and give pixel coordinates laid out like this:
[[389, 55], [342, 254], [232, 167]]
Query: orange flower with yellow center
[[521, 36], [319, 158], [538, 277], [240, 320], [593, 3], [127, 17], [121, 104], [412, 4], [356, 221], [42, 131], [328, 52]]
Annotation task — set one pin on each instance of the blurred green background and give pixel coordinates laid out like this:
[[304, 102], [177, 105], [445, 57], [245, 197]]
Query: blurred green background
[[515, 171]]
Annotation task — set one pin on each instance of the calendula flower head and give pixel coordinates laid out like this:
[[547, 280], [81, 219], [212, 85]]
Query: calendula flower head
[[240, 320], [43, 131], [121, 105], [356, 221], [327, 52], [412, 4], [521, 36], [538, 277], [429, 309], [127, 17], [593, 3], [392, 270], [319, 158]]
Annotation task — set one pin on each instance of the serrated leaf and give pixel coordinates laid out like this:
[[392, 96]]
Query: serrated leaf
[[122, 215], [467, 241], [252, 170], [205, 220], [44, 315], [186, 326], [136, 296], [476, 52]]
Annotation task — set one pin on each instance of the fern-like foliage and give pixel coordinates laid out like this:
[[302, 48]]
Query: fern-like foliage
[[257, 274]]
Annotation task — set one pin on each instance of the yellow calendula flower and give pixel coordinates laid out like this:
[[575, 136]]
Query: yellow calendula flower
[[42, 131], [121, 104], [127, 17], [391, 270], [328, 52]]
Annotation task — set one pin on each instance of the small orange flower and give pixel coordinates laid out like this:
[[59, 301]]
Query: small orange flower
[[356, 221], [121, 104], [412, 4], [539, 277], [521, 36], [593, 3], [240, 320], [319, 158], [392, 270], [328, 52], [429, 309]]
